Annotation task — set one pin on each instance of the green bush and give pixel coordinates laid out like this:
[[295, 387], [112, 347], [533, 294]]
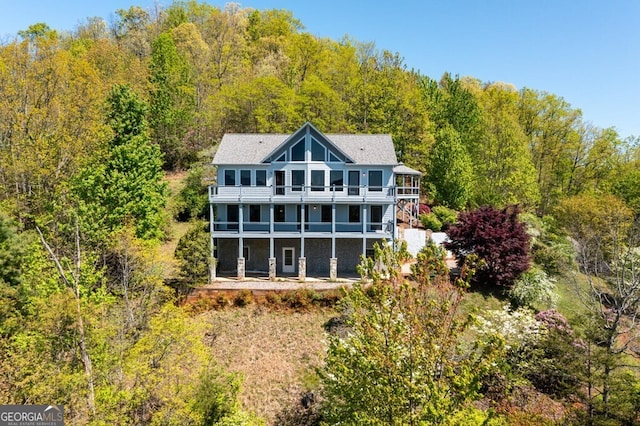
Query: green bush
[[193, 254], [445, 215], [431, 221], [192, 201]]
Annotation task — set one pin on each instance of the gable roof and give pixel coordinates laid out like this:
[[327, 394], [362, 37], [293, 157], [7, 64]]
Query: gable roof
[[401, 169], [252, 148]]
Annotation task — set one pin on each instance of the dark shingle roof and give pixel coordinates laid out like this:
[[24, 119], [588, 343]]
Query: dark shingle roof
[[239, 148]]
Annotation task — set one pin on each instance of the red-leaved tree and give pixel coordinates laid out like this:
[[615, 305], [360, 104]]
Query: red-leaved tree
[[498, 238]]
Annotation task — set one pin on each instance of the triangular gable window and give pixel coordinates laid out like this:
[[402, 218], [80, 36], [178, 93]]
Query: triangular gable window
[[297, 151], [317, 151], [308, 138]]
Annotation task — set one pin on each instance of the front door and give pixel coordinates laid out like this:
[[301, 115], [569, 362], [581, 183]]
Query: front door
[[288, 257]]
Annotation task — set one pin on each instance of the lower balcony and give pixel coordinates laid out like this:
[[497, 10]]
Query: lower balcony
[[221, 227]]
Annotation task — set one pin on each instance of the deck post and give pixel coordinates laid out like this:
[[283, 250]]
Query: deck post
[[272, 268], [333, 269], [241, 268], [302, 268]]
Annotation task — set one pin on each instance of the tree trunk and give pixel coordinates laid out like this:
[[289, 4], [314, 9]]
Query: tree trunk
[[75, 290]]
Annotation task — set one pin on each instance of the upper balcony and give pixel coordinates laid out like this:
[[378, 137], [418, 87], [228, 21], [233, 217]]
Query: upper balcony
[[310, 194]]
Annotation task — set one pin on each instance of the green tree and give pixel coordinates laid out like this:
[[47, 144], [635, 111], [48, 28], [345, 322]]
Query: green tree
[[607, 236], [402, 361], [131, 30], [124, 183], [501, 157], [192, 200], [553, 130], [11, 252], [449, 171], [12, 260], [193, 253], [452, 102], [172, 104], [50, 120]]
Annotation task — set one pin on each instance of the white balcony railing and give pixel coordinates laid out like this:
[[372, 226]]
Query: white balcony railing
[[227, 227], [304, 192]]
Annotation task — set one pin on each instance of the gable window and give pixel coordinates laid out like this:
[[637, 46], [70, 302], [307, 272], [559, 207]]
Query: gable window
[[282, 158], [261, 178], [336, 180], [333, 158], [297, 151], [278, 213], [254, 213], [317, 151], [245, 177], [375, 180], [317, 180], [297, 180], [229, 178], [354, 214]]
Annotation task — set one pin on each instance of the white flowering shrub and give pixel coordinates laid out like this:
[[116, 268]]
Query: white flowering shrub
[[534, 287], [517, 328]]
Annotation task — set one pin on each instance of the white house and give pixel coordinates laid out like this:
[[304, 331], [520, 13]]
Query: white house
[[305, 203]]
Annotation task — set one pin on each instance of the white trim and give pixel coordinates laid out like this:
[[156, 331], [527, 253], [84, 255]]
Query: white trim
[[289, 268]]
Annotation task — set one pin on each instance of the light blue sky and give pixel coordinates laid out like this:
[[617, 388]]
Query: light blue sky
[[587, 52]]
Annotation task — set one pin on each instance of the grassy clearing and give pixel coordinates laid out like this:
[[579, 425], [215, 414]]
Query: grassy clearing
[[276, 352], [174, 230], [570, 287]]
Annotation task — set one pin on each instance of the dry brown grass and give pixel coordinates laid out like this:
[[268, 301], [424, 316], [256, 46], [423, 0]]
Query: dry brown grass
[[276, 352]]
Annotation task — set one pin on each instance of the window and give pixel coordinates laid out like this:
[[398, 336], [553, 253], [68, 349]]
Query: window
[[326, 213], [375, 180], [232, 216], [354, 214], [245, 253], [245, 177], [229, 178], [254, 213], [333, 158], [354, 182], [317, 151], [297, 151], [297, 180], [278, 213], [317, 180], [279, 177], [336, 180], [282, 158], [376, 218], [261, 178]]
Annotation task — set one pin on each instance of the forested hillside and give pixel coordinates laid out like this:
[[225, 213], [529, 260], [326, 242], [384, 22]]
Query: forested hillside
[[92, 118]]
